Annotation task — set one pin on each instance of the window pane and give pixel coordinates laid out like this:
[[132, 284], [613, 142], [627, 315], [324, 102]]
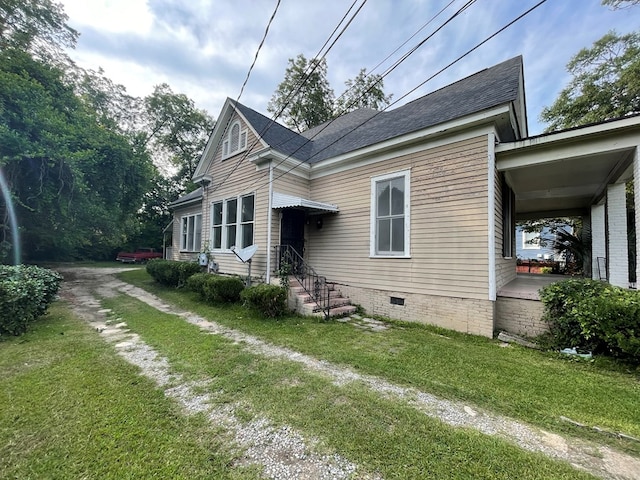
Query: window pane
[[197, 236], [247, 209], [231, 236], [397, 196], [217, 213], [183, 240], [232, 211], [397, 235], [217, 237], [190, 233], [247, 235], [383, 198], [243, 139], [383, 235]]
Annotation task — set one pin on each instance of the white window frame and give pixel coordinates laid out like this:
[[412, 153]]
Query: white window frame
[[227, 143], [527, 236], [239, 225], [215, 225], [406, 175], [191, 241]]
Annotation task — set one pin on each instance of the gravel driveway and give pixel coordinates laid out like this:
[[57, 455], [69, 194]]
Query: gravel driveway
[[281, 451]]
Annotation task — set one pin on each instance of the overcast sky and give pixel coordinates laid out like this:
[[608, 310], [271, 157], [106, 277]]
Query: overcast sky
[[204, 48]]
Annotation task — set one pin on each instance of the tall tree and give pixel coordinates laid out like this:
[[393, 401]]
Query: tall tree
[[76, 185], [38, 26], [605, 83], [175, 130], [364, 91], [304, 98]]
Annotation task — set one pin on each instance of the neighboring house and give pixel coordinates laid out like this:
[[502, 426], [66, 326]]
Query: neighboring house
[[410, 212], [529, 246]]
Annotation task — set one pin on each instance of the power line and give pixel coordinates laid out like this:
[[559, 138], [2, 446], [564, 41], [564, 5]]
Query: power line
[[314, 63], [255, 58], [416, 87], [386, 73]]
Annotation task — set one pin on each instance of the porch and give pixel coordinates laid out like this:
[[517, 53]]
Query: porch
[[518, 306]]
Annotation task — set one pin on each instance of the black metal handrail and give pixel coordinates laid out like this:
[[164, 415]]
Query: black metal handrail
[[289, 262]]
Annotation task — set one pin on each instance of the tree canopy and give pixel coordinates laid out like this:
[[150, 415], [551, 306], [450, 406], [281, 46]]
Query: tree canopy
[[605, 83], [364, 91], [75, 185], [78, 154], [304, 99]]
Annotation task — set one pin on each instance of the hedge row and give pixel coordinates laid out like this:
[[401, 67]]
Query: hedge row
[[25, 294], [593, 315], [269, 300], [216, 289], [171, 273]]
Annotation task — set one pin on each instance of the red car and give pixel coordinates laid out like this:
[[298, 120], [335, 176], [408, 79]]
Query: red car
[[142, 255]]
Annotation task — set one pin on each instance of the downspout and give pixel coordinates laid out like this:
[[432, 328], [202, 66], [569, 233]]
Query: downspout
[[491, 213], [269, 220]]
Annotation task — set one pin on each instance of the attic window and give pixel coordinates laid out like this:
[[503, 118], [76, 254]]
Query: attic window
[[235, 142]]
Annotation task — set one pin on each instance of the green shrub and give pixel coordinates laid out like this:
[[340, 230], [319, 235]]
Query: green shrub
[[170, 272], [593, 315], [566, 314], [196, 282], [269, 300], [222, 289], [25, 294]]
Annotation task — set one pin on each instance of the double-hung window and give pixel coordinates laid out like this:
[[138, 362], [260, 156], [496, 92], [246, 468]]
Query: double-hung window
[[390, 215], [232, 222], [236, 140], [191, 228]]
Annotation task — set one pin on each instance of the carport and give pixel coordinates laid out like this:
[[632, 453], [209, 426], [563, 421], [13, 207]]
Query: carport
[[580, 172]]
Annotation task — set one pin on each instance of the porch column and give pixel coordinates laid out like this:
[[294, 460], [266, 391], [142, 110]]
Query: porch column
[[617, 235], [598, 239], [636, 197]]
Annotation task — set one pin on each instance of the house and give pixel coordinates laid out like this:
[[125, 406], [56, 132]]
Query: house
[[409, 212]]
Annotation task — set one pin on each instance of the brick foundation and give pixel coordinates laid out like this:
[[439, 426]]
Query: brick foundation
[[520, 316], [462, 314]]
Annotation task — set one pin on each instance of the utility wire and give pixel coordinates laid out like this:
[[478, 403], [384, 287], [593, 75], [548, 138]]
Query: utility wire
[[255, 58], [315, 64], [416, 87], [386, 73]]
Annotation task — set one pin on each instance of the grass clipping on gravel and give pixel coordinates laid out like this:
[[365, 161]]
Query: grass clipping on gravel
[[70, 407], [378, 434]]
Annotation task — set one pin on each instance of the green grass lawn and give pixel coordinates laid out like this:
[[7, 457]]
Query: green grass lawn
[[537, 387], [71, 408], [380, 435]]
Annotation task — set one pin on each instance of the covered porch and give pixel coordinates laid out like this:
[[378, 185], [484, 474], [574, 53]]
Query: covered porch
[[579, 172]]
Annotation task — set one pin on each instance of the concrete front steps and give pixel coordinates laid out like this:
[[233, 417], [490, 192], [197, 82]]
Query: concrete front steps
[[303, 303]]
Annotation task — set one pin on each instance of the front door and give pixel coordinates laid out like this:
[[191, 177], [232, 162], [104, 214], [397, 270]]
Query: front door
[[292, 229], [292, 235]]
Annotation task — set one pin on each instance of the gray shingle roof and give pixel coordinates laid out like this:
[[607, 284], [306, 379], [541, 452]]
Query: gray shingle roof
[[483, 90], [188, 198]]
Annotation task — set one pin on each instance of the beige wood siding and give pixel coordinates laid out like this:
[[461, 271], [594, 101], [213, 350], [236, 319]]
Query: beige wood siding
[[449, 224], [176, 253], [236, 176]]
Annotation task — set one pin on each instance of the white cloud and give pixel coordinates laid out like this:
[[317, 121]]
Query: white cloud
[[204, 48]]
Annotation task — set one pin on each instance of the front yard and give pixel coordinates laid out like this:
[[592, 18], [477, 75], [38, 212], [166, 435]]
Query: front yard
[[70, 407]]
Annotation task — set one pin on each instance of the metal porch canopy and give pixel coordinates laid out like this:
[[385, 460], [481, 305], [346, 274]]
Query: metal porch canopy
[[281, 200]]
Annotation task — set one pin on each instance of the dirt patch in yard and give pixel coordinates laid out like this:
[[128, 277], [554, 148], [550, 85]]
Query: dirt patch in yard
[[283, 452]]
